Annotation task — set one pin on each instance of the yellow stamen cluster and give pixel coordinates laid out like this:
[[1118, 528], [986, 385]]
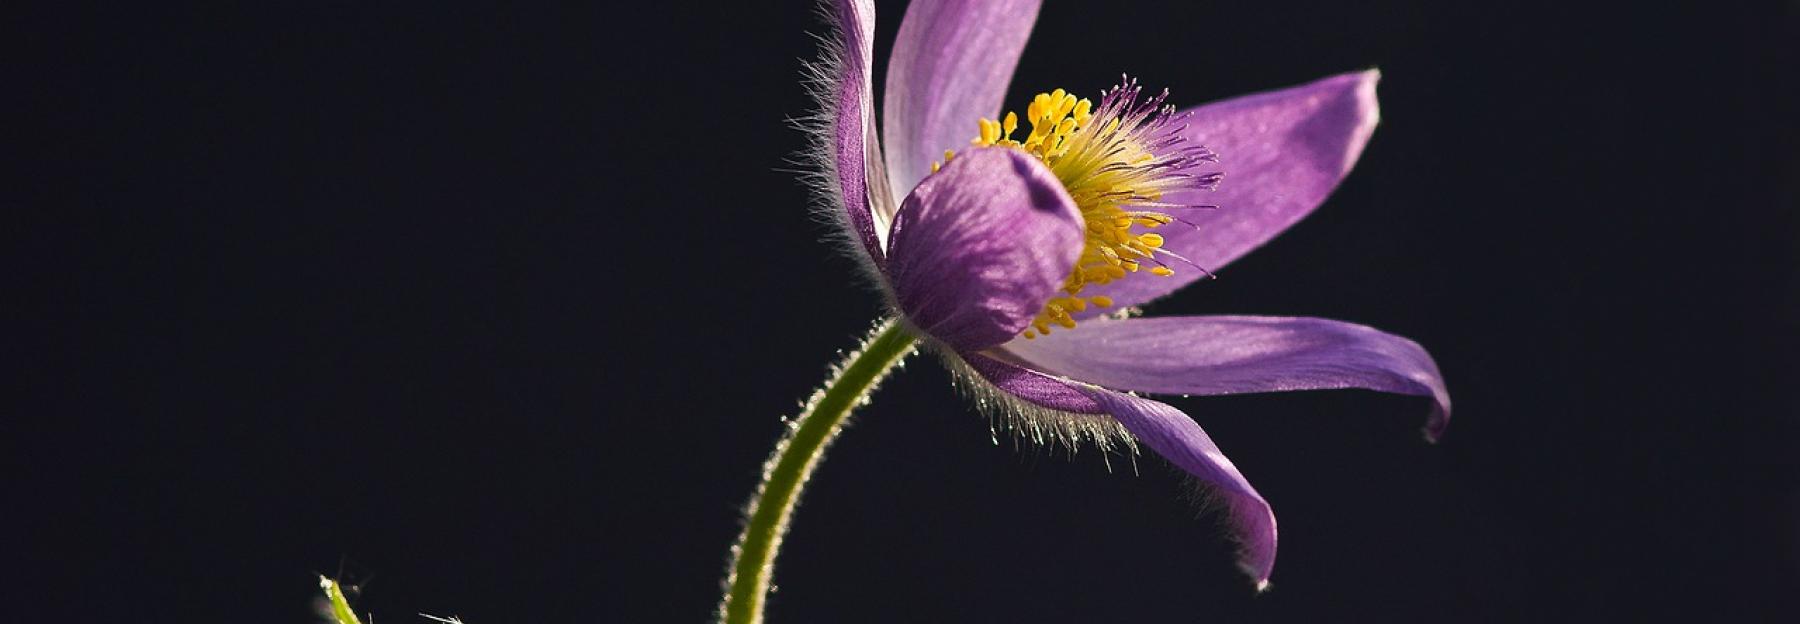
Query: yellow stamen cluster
[[1112, 174]]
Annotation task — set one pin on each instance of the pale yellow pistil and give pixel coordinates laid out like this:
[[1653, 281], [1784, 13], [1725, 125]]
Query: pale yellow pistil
[[1103, 167]]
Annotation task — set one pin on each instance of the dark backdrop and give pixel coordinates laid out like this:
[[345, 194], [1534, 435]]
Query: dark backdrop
[[493, 311]]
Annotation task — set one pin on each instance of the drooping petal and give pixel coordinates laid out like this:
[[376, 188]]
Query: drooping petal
[[1210, 355], [854, 152], [1282, 153], [978, 248], [1164, 429], [951, 63], [1176, 437]]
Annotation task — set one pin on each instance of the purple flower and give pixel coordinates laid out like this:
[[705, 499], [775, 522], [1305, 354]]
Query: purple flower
[[1019, 257]]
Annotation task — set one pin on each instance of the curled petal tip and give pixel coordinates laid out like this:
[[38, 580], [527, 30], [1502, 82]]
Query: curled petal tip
[[1436, 424], [1178, 439], [1365, 93], [1439, 419], [1367, 79], [1368, 110]]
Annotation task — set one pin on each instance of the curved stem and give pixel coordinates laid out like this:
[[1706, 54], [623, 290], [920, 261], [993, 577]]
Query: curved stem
[[795, 456]]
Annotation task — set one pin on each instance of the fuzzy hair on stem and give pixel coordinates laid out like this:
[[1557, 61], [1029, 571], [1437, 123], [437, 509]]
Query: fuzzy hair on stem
[[790, 466]]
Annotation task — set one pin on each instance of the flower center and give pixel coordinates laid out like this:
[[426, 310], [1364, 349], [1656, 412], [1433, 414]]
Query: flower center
[[1118, 161]]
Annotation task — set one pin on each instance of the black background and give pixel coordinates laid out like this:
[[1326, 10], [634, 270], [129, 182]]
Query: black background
[[494, 312]]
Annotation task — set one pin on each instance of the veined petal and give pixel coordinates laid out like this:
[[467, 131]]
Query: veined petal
[[1031, 386], [951, 64], [854, 152], [1176, 437], [978, 247], [1211, 355], [1282, 153]]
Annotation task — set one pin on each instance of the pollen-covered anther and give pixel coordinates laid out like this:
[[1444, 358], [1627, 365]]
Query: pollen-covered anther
[[948, 154], [1117, 160]]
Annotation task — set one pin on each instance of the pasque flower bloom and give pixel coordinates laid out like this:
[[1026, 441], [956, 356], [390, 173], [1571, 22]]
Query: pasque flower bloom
[[1019, 259]]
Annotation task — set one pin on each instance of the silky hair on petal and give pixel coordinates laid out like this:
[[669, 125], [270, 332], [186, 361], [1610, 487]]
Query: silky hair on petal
[[1035, 424], [814, 165]]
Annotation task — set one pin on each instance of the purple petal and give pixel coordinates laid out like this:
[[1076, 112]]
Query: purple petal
[[1209, 355], [1165, 430], [1282, 153], [978, 248], [951, 63], [1178, 439], [1032, 386], [854, 152]]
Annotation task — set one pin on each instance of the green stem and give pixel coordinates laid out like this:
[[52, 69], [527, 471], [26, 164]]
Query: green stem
[[795, 457], [340, 604]]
